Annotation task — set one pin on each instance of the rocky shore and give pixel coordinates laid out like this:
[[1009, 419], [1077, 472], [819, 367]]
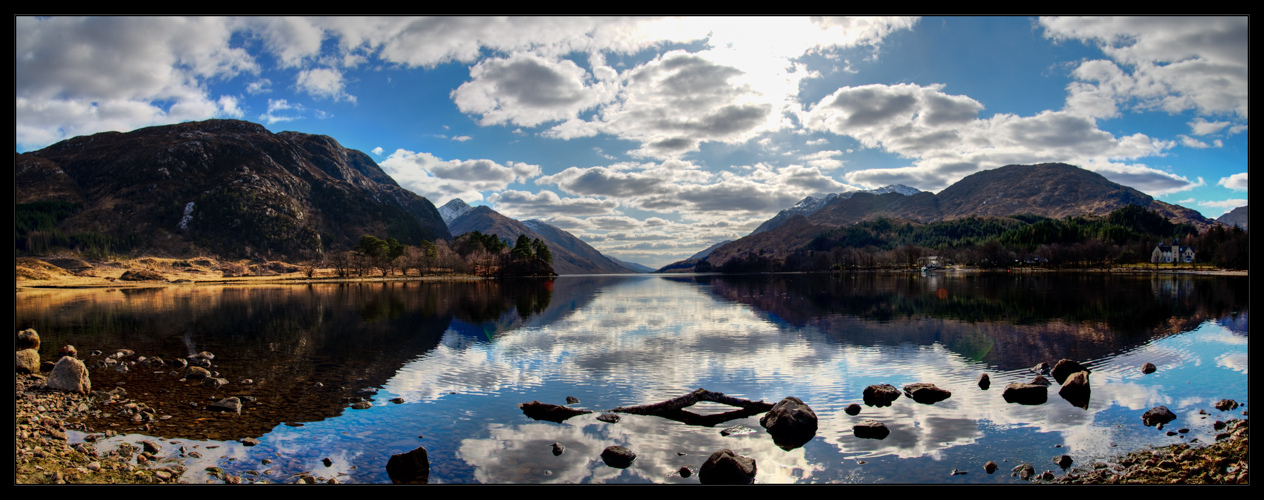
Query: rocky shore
[[1224, 462], [44, 455]]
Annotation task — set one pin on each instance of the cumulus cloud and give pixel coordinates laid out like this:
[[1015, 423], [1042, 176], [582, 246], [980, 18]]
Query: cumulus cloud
[[526, 205], [77, 76], [278, 110], [325, 83], [1160, 63], [442, 180], [1201, 126], [1225, 205], [1191, 142], [527, 90], [1236, 182]]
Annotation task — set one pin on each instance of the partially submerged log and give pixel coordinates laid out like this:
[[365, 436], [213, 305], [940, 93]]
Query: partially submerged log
[[672, 409]]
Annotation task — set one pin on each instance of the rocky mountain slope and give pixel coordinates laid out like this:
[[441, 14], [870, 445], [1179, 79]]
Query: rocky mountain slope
[[226, 187], [1236, 217], [811, 205], [1054, 190], [570, 254]]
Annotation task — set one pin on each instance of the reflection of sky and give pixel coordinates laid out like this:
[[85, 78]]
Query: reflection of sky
[[647, 340], [657, 339]]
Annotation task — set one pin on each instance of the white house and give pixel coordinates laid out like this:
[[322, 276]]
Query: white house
[[1172, 253]]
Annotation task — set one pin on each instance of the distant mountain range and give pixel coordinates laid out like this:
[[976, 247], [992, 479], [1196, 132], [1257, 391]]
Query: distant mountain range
[[226, 187], [1055, 190], [1235, 217], [570, 254]]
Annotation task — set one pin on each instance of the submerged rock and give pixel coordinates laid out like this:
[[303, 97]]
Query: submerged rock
[[608, 417], [871, 429], [881, 394], [726, 467], [984, 382], [1027, 394], [618, 457], [852, 409], [1148, 368], [1076, 390], [229, 404], [1158, 415], [557, 448], [791, 422], [1065, 368], [409, 468], [926, 393]]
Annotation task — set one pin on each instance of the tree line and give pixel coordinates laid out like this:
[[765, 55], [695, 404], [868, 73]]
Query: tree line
[[471, 253], [1127, 235]]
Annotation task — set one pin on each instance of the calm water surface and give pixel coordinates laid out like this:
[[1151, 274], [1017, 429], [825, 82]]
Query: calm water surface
[[446, 364]]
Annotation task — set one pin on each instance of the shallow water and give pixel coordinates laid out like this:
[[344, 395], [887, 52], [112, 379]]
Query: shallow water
[[458, 357]]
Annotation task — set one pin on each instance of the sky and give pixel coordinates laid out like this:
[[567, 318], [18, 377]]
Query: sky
[[653, 138]]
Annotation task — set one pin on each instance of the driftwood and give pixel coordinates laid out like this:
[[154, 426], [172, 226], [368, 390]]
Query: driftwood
[[672, 409]]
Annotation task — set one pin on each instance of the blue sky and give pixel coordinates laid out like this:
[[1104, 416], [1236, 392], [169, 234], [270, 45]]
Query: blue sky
[[653, 138]]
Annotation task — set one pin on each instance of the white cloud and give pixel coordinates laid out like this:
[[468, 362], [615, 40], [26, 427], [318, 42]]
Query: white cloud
[[1236, 182], [526, 205], [325, 83], [276, 111], [378, 150], [1191, 142], [1168, 63], [440, 181], [77, 76], [1227, 205], [528, 90], [1201, 126]]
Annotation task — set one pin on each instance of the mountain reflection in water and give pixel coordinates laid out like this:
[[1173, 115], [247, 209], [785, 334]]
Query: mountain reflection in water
[[458, 356]]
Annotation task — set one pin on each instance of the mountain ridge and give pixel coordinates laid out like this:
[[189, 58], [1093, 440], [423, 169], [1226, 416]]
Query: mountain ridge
[[1055, 190], [229, 187]]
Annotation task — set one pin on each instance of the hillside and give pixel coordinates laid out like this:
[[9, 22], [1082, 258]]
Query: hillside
[[224, 187], [1054, 190], [570, 254]]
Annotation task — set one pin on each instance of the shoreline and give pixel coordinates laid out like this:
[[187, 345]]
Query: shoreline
[[41, 273]]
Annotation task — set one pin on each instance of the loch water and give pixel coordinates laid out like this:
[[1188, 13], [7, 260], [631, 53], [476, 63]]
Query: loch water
[[446, 363]]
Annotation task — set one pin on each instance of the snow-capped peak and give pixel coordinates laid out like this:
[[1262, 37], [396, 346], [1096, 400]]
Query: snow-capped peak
[[453, 210]]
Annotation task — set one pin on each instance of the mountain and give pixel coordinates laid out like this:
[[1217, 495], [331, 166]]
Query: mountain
[[570, 254], [1235, 217], [453, 209], [811, 205], [639, 268], [1054, 190], [228, 187]]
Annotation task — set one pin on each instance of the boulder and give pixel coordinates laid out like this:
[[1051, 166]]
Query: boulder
[[409, 468], [1027, 394], [26, 361], [1040, 380], [1063, 461], [881, 394], [570, 400], [871, 429], [68, 350], [27, 339], [726, 467], [69, 374], [618, 457], [1065, 367], [984, 382], [790, 422], [990, 467], [1225, 404], [1148, 368], [196, 373], [610, 418], [1075, 389], [852, 409], [230, 404], [925, 393], [558, 449], [1041, 368], [1158, 415]]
